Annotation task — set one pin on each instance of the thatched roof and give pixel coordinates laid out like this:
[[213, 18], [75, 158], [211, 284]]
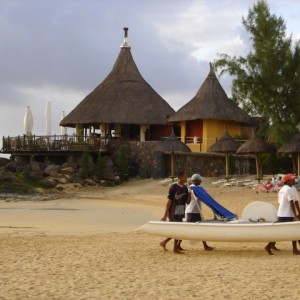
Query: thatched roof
[[255, 145], [210, 102], [226, 144], [124, 97], [293, 146], [172, 143]]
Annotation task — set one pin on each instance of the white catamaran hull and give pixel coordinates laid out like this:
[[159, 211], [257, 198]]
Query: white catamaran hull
[[225, 231]]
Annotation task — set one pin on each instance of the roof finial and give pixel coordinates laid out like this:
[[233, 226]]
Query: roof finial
[[211, 70], [125, 43]]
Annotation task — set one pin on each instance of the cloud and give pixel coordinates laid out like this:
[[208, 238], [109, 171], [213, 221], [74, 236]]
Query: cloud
[[60, 50]]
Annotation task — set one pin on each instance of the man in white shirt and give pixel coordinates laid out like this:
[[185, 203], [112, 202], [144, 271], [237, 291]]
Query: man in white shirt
[[193, 210], [288, 209]]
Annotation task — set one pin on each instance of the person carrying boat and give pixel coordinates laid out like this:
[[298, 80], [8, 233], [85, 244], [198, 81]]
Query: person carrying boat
[[193, 210], [288, 209], [178, 196]]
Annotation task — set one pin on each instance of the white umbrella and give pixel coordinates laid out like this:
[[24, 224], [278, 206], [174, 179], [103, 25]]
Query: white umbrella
[[48, 118], [63, 130], [28, 121]]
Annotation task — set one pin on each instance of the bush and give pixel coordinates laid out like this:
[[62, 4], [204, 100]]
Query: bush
[[122, 161], [85, 162], [100, 165]]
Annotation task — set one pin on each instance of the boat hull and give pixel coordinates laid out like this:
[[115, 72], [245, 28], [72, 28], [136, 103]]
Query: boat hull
[[225, 231]]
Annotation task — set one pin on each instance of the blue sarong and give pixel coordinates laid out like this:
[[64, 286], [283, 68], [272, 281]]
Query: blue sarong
[[217, 208]]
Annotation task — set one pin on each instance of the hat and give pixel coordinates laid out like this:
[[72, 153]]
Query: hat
[[197, 177], [288, 177]]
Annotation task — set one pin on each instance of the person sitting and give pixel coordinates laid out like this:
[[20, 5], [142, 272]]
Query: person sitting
[[266, 187]]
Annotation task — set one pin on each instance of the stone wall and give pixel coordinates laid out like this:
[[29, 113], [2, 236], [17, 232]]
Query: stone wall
[[146, 162]]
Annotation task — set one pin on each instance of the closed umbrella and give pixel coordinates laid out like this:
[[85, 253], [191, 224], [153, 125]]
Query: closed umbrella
[[293, 147], [48, 118], [226, 144], [255, 146], [28, 121], [63, 130]]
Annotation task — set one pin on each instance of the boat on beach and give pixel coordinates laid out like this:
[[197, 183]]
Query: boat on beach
[[257, 224], [232, 231]]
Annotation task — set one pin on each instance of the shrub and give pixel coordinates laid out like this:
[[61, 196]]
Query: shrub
[[100, 165], [122, 161]]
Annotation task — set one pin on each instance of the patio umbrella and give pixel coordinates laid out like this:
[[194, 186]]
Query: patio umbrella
[[293, 147], [226, 144], [255, 146], [172, 144], [48, 118], [63, 130], [28, 121]]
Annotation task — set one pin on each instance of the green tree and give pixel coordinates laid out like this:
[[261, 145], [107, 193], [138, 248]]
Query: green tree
[[85, 162], [267, 82], [100, 165], [122, 161]]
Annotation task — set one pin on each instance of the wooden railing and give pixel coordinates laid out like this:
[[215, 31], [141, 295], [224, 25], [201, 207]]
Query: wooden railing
[[29, 143]]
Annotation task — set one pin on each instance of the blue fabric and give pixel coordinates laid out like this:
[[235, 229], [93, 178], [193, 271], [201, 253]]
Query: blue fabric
[[217, 208]]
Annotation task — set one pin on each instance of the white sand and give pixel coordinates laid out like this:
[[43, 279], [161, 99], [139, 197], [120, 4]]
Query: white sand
[[85, 247]]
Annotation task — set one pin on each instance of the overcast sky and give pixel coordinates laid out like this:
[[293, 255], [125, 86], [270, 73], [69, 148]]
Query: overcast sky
[[60, 50]]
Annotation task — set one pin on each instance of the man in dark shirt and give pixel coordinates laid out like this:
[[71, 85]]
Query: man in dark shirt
[[178, 197]]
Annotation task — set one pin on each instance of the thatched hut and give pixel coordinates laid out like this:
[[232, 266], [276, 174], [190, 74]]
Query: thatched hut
[[203, 118], [292, 147], [227, 145], [124, 105], [172, 144], [255, 146]]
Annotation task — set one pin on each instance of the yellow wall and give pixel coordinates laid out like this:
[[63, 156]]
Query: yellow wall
[[212, 131], [195, 147], [215, 129]]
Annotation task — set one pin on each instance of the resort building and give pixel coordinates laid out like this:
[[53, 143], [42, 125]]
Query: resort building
[[205, 117], [123, 106]]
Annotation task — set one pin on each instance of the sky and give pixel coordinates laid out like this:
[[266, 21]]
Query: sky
[[60, 50]]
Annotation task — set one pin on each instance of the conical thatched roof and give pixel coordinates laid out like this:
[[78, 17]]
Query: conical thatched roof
[[293, 146], [124, 97], [255, 145], [172, 143], [210, 102], [226, 144]]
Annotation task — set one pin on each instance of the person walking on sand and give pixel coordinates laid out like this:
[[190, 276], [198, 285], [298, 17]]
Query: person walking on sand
[[288, 211], [178, 197], [193, 210]]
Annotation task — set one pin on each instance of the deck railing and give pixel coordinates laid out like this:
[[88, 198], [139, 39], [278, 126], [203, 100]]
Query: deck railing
[[38, 143]]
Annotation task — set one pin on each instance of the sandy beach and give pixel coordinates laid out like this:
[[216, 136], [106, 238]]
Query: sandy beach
[[83, 246]]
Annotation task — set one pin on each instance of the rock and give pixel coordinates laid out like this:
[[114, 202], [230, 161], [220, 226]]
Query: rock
[[37, 166], [51, 180], [68, 170], [70, 164], [52, 170], [108, 169], [59, 188], [12, 166], [63, 180], [4, 161], [35, 174], [89, 182]]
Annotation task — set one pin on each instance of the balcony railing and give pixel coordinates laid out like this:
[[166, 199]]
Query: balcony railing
[[30, 143]]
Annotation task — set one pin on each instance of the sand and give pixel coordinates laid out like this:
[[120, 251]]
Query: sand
[[83, 246]]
